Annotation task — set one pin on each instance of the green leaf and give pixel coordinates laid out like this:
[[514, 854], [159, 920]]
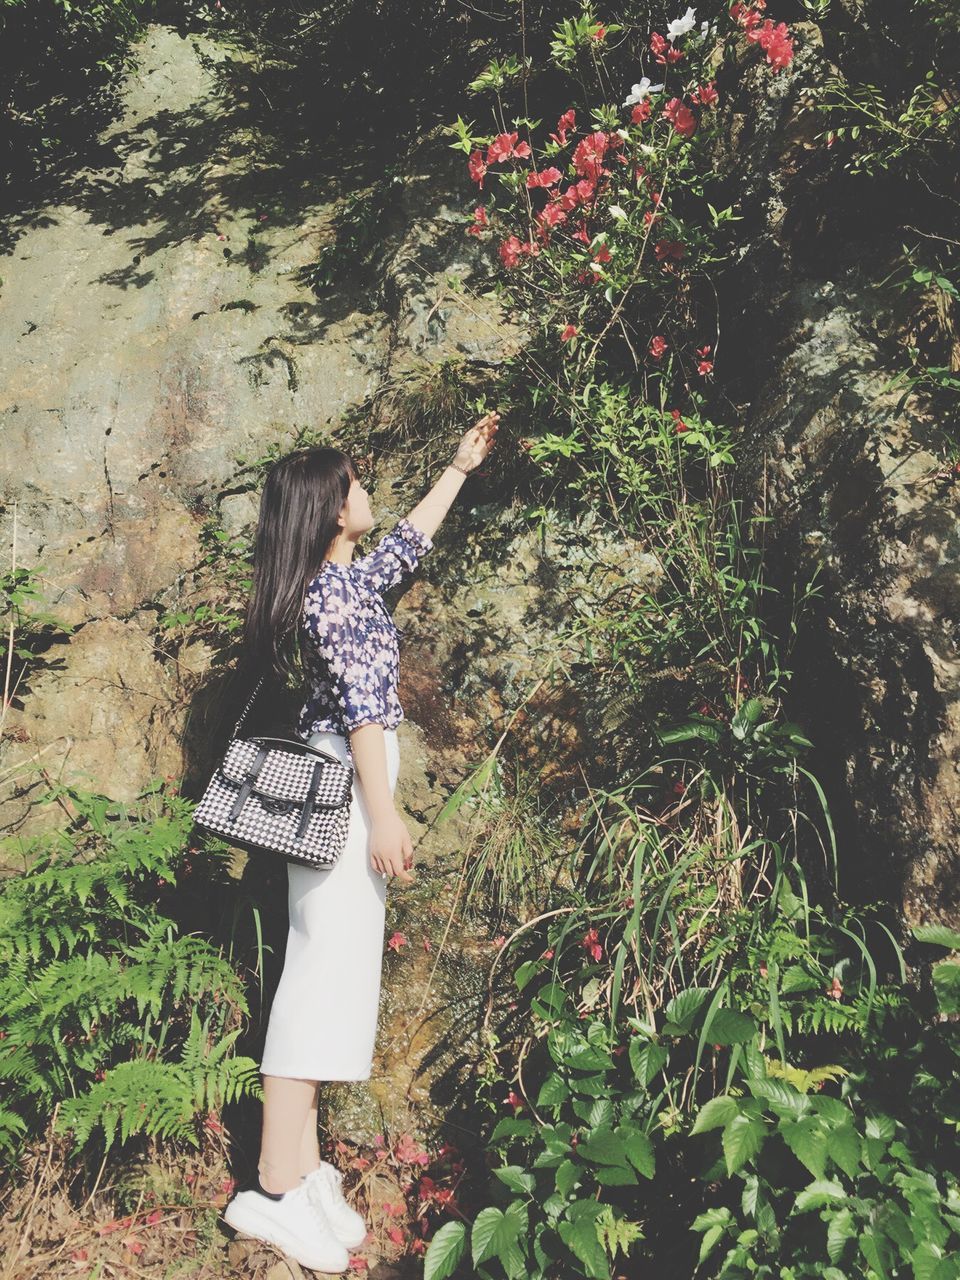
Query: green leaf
[[796, 978], [602, 1146], [492, 1235], [716, 1113], [682, 1010], [729, 1026], [742, 1139], [567, 1176], [840, 1229], [881, 1126], [946, 983], [874, 1251], [808, 1142], [817, 1194], [579, 1234], [709, 1242], [938, 934], [444, 1251], [639, 1151], [553, 1091], [781, 1095], [647, 1059], [517, 1179], [615, 1175], [751, 1190], [843, 1147], [512, 1127]]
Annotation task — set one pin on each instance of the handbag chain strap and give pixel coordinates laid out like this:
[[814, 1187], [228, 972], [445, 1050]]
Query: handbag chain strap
[[246, 710]]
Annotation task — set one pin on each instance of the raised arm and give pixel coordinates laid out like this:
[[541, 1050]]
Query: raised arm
[[473, 448]]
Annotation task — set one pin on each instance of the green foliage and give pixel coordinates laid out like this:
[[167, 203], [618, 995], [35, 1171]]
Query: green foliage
[[28, 629], [57, 54], [105, 1006]]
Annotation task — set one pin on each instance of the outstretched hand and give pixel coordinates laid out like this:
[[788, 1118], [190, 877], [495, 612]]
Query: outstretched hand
[[478, 441]]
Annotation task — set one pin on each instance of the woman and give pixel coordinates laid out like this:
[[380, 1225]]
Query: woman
[[311, 599]]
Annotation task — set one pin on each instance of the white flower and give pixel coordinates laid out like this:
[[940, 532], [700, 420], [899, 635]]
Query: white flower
[[704, 28], [680, 26], [639, 91]]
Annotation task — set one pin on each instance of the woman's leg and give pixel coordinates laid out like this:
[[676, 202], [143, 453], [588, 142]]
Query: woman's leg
[[286, 1106], [310, 1143]]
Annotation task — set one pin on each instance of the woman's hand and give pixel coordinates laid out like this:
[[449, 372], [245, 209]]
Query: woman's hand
[[391, 849], [478, 441]]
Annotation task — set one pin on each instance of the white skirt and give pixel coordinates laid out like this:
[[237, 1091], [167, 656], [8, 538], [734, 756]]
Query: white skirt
[[323, 1021]]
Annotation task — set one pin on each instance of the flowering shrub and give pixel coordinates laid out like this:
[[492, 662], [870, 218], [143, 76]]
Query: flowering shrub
[[684, 986], [603, 223]]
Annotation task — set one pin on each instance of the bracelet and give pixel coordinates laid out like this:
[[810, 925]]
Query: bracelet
[[458, 468]]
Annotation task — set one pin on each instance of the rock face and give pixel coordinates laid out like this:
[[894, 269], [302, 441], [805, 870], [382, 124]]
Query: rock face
[[158, 325], [859, 491]]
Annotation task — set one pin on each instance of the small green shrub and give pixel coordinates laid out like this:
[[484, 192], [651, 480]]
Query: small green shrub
[[106, 1007]]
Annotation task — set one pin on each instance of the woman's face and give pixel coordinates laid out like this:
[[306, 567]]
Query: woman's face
[[357, 515]]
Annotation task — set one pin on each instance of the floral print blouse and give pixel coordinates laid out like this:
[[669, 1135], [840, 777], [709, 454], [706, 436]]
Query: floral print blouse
[[349, 639]]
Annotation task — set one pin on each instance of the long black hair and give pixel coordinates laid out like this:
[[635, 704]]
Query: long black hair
[[302, 496]]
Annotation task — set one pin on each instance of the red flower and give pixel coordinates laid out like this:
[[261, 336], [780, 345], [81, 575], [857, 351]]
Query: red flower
[[706, 94], [407, 1151], [775, 41], [504, 146], [479, 221], [657, 346], [570, 331], [835, 990], [641, 112], [548, 954], [744, 16], [602, 254], [397, 940], [591, 942], [578, 193], [680, 426], [588, 155], [551, 215], [668, 249], [477, 168], [512, 250], [681, 117], [599, 34], [566, 122], [546, 178], [514, 1100], [663, 50]]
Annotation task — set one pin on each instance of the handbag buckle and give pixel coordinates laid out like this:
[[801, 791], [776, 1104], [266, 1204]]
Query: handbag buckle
[[274, 805]]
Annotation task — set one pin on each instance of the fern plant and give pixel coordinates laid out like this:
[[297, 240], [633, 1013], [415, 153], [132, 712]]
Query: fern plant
[[106, 1006]]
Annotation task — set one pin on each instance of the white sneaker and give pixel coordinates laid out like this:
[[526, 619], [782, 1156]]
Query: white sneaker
[[296, 1224], [325, 1187]]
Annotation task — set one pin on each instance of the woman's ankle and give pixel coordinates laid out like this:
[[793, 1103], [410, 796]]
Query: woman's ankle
[[274, 1185]]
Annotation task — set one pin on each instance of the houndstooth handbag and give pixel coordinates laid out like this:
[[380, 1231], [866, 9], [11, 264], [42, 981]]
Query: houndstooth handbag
[[279, 795]]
